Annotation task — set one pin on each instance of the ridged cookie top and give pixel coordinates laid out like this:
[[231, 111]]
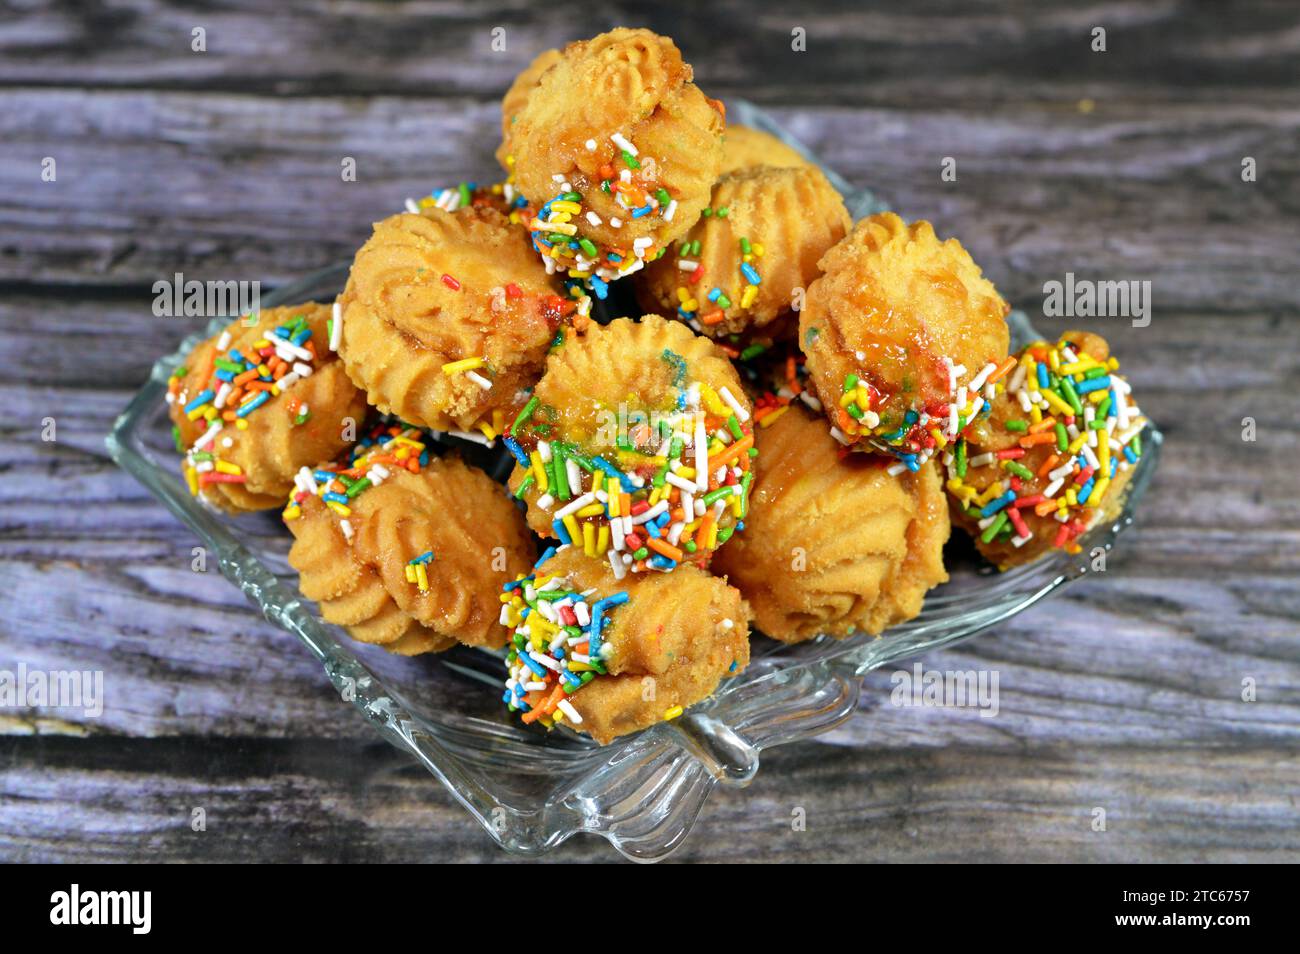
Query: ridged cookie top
[[636, 447], [517, 95], [617, 127], [833, 543], [637, 365], [756, 247], [439, 288], [434, 543]]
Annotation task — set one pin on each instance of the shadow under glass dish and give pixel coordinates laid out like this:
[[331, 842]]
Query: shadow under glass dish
[[531, 789]]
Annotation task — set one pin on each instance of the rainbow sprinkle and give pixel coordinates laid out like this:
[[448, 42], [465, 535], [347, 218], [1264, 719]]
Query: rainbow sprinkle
[[235, 385], [1082, 412], [921, 433], [677, 488], [556, 647], [389, 445], [556, 229], [716, 301], [498, 195], [417, 571]]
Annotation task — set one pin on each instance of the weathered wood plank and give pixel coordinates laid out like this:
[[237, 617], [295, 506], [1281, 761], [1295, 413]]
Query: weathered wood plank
[[1131, 659], [1123, 692], [856, 54], [69, 800], [251, 189]]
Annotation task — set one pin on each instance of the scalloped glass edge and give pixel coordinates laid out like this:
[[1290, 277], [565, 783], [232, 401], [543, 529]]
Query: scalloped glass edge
[[644, 792]]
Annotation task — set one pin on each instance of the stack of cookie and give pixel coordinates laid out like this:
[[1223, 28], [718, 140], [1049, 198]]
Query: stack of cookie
[[783, 436]]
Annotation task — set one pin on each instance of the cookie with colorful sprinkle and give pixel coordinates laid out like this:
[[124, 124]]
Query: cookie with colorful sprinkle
[[618, 149], [608, 656], [447, 317], [254, 403], [636, 446], [754, 249], [902, 335], [834, 543], [404, 549], [1052, 458]]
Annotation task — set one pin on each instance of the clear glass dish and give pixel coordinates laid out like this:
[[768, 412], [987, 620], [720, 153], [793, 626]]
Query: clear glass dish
[[530, 789]]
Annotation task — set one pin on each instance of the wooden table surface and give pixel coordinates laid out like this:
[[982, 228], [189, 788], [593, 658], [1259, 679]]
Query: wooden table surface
[[1125, 693]]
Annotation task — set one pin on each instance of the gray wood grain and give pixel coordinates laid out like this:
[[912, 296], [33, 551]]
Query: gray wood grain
[[1124, 693], [360, 801], [251, 188], [857, 54]]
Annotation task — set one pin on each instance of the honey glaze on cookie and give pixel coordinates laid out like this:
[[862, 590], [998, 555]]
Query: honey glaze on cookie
[[932, 429], [902, 335], [925, 413], [560, 228]]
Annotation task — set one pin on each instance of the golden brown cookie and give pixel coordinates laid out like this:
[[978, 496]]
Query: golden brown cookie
[[744, 147], [754, 249], [1051, 457], [618, 150], [256, 402], [833, 542], [447, 317], [631, 652], [516, 98], [610, 447], [404, 554], [899, 333]]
